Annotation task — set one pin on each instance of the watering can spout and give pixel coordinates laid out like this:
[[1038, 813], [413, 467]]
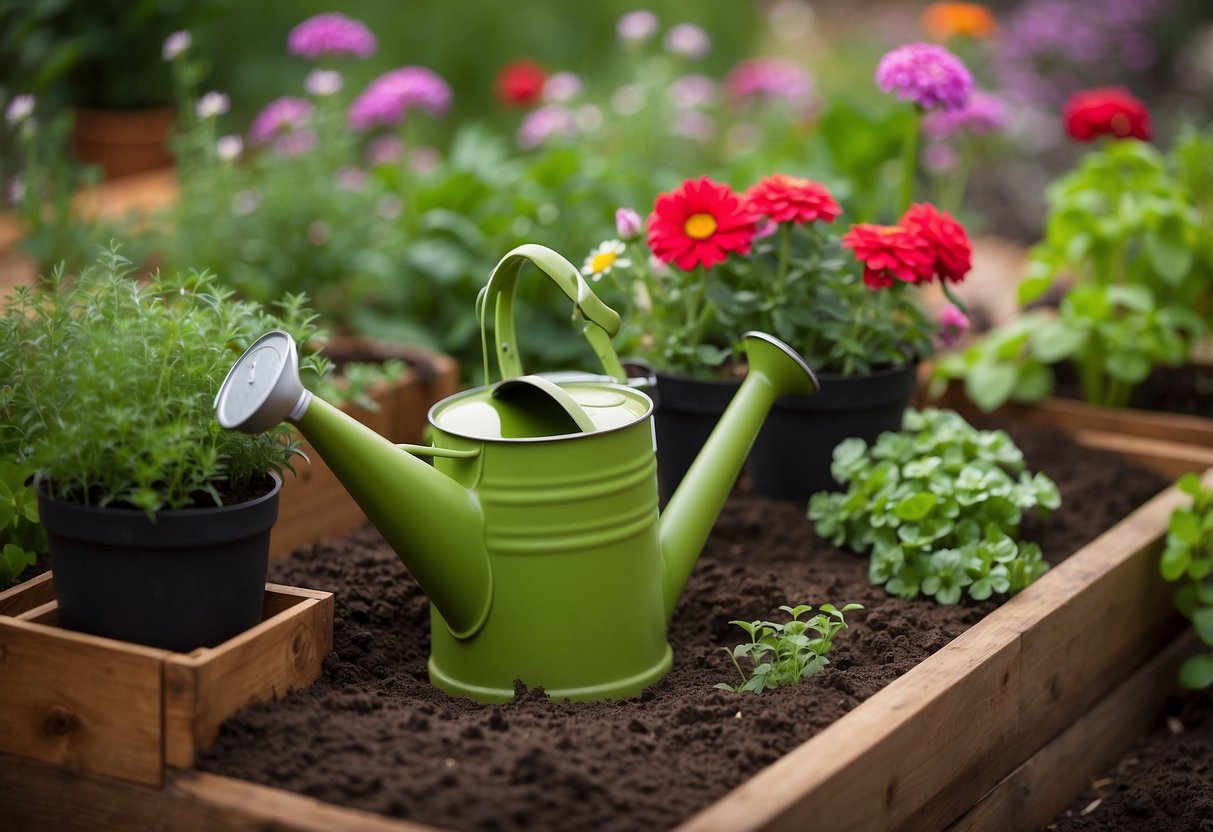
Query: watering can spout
[[775, 370], [434, 523]]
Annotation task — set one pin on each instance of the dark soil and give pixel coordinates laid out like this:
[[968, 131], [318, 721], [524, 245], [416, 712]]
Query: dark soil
[[372, 733], [1173, 389], [1164, 784]]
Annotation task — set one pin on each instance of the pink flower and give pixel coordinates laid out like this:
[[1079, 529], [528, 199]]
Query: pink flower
[[927, 74], [384, 150], [544, 123], [628, 223], [769, 79], [331, 34], [390, 96], [174, 45], [983, 113], [692, 90], [322, 82], [281, 117], [637, 26], [687, 40], [561, 87], [952, 325]]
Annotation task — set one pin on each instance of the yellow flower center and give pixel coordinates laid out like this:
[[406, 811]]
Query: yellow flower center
[[700, 226], [603, 261]]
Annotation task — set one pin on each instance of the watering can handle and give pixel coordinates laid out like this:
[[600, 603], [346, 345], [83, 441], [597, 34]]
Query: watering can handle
[[601, 321]]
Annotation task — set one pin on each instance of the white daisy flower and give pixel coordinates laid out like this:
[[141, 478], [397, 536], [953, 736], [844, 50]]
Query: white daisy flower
[[607, 256]]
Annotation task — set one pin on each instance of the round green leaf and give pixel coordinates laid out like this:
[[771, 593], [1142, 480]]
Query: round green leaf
[[1197, 672]]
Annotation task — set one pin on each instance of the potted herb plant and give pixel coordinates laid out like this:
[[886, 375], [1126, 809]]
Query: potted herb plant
[[725, 262], [157, 521]]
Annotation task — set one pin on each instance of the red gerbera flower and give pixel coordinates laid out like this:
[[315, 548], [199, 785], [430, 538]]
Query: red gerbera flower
[[789, 199], [953, 253], [520, 83], [890, 251], [1108, 111], [699, 224]]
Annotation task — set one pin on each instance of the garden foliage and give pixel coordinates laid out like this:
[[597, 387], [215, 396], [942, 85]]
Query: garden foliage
[[938, 505], [1188, 558], [781, 654]]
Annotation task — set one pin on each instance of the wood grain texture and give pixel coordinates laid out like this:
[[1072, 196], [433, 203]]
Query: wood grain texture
[[26, 596], [1169, 458], [81, 702], [38, 797], [927, 747], [282, 653]]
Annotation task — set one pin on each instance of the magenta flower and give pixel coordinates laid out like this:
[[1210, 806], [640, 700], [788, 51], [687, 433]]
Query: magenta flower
[[331, 35], [770, 79], [927, 74], [983, 113], [281, 118], [952, 325], [390, 96], [628, 223], [544, 123]]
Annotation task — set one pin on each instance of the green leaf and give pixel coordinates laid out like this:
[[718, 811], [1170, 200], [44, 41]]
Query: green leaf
[[1169, 252], [1174, 562], [1184, 527], [1202, 622], [1197, 672], [989, 385], [1056, 341], [915, 507]]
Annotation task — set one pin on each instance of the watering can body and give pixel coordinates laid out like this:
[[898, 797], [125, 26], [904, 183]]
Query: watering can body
[[535, 530]]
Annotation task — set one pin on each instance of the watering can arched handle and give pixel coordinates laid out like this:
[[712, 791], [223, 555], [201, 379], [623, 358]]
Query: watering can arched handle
[[602, 321]]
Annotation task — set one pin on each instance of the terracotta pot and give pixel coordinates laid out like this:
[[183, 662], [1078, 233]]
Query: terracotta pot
[[123, 142]]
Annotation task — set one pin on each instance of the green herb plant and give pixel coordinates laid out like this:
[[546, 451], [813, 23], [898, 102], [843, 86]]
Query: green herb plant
[[1188, 557], [781, 654], [939, 505], [1131, 233], [108, 386]]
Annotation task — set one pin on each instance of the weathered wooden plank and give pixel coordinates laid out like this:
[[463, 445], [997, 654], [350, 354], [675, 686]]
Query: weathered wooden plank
[[205, 687], [915, 756], [1169, 458], [1036, 791], [32, 593], [79, 701], [37, 797]]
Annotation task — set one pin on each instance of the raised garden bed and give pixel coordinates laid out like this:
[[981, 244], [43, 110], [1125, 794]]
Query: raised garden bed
[[967, 710], [107, 707]]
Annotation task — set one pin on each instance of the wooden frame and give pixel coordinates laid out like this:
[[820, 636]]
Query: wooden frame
[[63, 691], [991, 717]]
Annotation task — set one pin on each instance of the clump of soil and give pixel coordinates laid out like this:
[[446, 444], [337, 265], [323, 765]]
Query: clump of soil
[[372, 733], [1164, 784]]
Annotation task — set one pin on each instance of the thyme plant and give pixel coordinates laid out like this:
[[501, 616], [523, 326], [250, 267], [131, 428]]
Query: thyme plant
[[108, 385], [939, 505], [1188, 557], [781, 654]]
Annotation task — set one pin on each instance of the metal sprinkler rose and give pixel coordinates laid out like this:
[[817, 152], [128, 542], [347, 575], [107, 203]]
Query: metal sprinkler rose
[[535, 533]]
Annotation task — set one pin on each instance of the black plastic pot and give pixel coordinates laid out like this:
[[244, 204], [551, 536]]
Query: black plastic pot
[[791, 457], [687, 411], [193, 578]]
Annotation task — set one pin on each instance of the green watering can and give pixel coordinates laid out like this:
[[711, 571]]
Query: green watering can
[[535, 533]]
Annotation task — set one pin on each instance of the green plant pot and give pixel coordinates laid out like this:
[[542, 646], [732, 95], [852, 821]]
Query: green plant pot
[[192, 578], [792, 455]]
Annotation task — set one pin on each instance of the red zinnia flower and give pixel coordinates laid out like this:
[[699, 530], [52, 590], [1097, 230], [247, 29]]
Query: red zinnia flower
[[1108, 111], [889, 251], [521, 83], [949, 242], [699, 224], [789, 199]]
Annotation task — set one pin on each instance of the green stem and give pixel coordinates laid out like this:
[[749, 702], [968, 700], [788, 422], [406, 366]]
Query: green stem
[[909, 161]]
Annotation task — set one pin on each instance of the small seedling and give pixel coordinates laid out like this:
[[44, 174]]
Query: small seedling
[[1188, 557], [787, 653]]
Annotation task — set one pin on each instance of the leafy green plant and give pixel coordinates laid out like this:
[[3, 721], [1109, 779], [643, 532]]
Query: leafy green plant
[[1130, 231], [108, 385], [781, 654], [1188, 557], [939, 505], [22, 538]]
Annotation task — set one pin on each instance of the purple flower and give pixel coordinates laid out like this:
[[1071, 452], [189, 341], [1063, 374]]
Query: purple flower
[[174, 45], [687, 40], [628, 223], [561, 87], [322, 82], [952, 325], [926, 74], [544, 123], [384, 150], [637, 26], [692, 91], [768, 78], [391, 95], [213, 104], [281, 117], [292, 144], [940, 157], [331, 34], [983, 113]]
